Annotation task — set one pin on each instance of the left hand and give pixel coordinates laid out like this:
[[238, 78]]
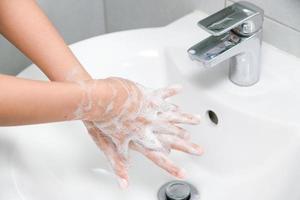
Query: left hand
[[166, 130]]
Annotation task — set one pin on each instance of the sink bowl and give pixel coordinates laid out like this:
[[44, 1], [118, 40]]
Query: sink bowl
[[250, 134]]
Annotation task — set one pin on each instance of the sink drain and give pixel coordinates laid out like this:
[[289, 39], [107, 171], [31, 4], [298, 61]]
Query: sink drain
[[178, 190], [213, 117]]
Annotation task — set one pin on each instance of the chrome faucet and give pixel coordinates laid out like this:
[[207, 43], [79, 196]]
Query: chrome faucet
[[236, 35]]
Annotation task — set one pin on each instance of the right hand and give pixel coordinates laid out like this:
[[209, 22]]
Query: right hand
[[143, 121], [105, 99]]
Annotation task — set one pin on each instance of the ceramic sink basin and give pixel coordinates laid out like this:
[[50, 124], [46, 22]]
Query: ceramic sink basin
[[253, 152]]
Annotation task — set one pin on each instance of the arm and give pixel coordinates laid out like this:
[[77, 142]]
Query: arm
[[29, 102], [25, 25], [58, 63]]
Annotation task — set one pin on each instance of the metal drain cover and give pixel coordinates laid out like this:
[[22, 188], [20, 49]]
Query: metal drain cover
[[178, 190]]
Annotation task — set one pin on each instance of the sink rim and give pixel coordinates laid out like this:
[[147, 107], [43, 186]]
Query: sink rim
[[160, 34]]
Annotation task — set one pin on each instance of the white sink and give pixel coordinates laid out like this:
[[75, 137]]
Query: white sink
[[252, 153]]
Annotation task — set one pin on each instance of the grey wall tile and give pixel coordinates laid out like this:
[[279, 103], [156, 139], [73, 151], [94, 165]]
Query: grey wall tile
[[75, 20], [284, 11], [282, 36], [11, 59], [130, 14], [277, 33]]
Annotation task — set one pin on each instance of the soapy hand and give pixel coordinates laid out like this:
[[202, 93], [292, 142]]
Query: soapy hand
[[133, 117]]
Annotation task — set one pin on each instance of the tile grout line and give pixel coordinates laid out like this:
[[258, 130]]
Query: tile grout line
[[105, 16], [275, 20], [283, 24], [225, 3]]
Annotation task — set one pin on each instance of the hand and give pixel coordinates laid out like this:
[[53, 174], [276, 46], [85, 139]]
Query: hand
[[120, 164], [147, 124], [105, 99], [116, 161]]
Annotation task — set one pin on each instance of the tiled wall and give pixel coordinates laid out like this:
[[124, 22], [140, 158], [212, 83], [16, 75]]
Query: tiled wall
[[281, 27], [282, 23], [75, 19], [130, 14]]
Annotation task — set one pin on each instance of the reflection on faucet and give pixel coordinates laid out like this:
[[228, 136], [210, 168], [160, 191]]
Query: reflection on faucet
[[236, 35]]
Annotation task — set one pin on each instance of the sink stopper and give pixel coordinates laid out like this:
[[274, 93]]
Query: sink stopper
[[178, 190]]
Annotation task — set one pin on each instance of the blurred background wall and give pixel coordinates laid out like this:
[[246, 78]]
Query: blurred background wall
[[281, 26], [129, 14], [80, 19], [75, 20]]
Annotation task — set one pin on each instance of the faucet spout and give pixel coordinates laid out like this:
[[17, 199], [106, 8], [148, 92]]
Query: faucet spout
[[236, 36], [243, 53]]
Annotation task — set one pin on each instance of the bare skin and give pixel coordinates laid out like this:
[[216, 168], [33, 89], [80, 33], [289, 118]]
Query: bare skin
[[24, 24], [29, 102]]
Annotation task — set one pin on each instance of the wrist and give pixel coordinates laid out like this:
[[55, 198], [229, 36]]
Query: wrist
[[95, 97], [77, 74]]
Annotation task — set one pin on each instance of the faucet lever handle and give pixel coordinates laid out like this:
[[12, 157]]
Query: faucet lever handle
[[242, 17]]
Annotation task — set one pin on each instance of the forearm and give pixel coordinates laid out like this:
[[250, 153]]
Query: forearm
[[29, 102], [25, 25]]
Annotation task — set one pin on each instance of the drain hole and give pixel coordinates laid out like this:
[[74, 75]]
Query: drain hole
[[213, 117]]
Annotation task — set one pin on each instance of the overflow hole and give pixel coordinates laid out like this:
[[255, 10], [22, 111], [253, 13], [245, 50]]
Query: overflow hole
[[213, 117]]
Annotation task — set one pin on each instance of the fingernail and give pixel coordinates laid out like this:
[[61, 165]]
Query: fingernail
[[123, 183], [181, 173], [197, 119], [197, 151]]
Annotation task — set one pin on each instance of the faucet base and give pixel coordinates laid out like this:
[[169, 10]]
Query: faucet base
[[245, 66]]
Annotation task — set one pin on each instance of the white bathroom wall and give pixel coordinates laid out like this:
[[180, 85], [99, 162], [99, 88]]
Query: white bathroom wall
[[281, 27], [75, 20]]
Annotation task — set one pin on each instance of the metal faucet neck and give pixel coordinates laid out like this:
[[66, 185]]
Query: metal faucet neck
[[236, 35]]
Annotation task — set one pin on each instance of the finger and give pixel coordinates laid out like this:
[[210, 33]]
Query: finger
[[168, 91], [117, 161], [161, 160], [180, 117], [181, 145], [163, 106], [171, 129], [120, 168]]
